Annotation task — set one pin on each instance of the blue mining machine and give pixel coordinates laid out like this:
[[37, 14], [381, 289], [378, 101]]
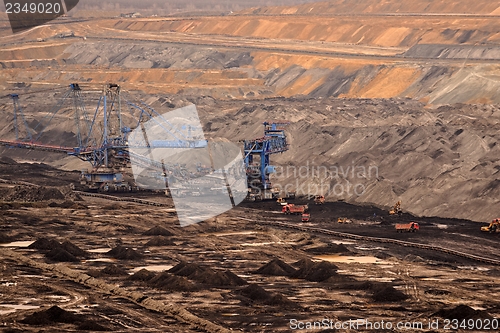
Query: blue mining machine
[[258, 161]]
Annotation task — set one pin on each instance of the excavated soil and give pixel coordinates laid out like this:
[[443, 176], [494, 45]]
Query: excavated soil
[[276, 267], [206, 275], [315, 271], [124, 253], [170, 282], [158, 231], [32, 194], [142, 275], [52, 315], [109, 270], [66, 251], [463, 312], [389, 294], [160, 241], [330, 248], [363, 87], [257, 294]]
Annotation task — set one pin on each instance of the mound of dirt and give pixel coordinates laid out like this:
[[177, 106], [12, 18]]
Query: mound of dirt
[[315, 271], [206, 275], [113, 270], [124, 253], [186, 269], [356, 285], [462, 312], [61, 255], [160, 241], [158, 231], [328, 249], [33, 194], [45, 244], [53, 315], [65, 252], [258, 294], [142, 275], [255, 293], [170, 282], [5, 238], [276, 267], [74, 250], [388, 294], [223, 279]]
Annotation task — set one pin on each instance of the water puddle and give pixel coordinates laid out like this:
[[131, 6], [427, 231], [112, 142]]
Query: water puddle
[[349, 272], [368, 248], [100, 250], [351, 259], [381, 279], [153, 268], [261, 244], [15, 307], [100, 260], [115, 216], [473, 268], [342, 242], [18, 244], [62, 299]]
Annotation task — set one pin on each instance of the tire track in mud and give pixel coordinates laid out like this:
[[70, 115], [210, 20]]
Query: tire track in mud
[[177, 312]]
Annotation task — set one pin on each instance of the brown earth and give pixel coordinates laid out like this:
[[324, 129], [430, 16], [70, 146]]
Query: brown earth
[[403, 283], [437, 161], [379, 86], [364, 51]]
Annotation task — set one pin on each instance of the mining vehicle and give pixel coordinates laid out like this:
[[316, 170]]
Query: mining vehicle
[[295, 209], [319, 199], [396, 210], [281, 201], [408, 227], [493, 227]]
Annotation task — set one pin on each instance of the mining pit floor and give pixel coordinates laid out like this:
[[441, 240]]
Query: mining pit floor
[[78, 263]]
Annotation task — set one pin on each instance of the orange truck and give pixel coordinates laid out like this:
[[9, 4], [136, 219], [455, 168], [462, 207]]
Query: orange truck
[[294, 209], [408, 227], [306, 217]]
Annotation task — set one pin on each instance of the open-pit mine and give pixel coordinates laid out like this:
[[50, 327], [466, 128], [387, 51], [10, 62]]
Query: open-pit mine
[[369, 138]]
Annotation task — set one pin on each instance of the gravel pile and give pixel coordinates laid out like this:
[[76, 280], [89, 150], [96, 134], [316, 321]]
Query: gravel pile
[[206, 275], [33, 194], [158, 231], [462, 312], [315, 271], [124, 253], [276, 267]]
